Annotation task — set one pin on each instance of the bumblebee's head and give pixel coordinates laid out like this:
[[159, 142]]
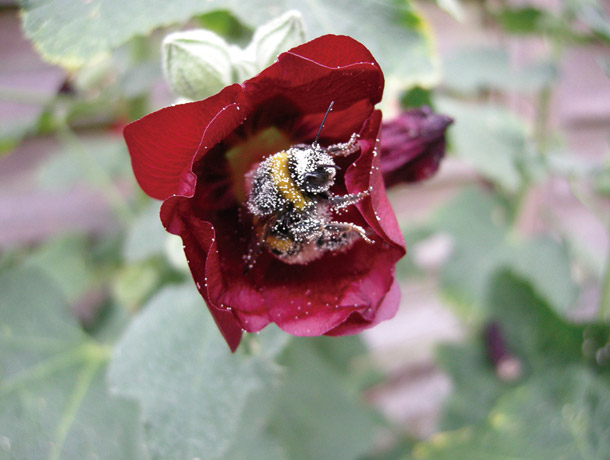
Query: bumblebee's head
[[313, 169]]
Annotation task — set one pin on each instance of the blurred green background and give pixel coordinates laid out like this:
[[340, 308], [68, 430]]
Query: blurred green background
[[107, 351]]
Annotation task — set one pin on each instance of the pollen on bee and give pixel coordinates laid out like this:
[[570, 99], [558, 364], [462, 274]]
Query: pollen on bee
[[292, 205]]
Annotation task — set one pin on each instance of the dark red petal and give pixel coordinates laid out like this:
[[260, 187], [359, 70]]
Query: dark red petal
[[364, 174], [412, 146], [339, 293], [356, 322], [163, 145], [329, 68], [332, 290], [334, 51], [199, 246]]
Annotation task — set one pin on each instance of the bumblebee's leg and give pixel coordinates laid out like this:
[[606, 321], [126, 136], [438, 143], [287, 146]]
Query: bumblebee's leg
[[344, 148], [339, 234], [342, 201], [302, 227]]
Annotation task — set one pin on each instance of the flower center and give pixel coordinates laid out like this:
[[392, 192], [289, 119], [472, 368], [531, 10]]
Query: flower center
[[242, 156]]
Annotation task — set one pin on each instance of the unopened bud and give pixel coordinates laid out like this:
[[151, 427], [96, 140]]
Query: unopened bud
[[275, 37], [196, 63], [508, 367], [243, 64]]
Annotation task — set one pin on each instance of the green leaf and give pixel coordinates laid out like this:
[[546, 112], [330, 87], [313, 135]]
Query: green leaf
[[65, 261], [601, 179], [409, 55], [71, 166], [146, 237], [53, 398], [74, 33], [192, 390], [476, 387], [223, 23], [490, 139], [561, 414], [484, 68], [12, 131], [316, 416], [546, 265], [477, 222], [133, 284], [520, 21], [254, 441], [533, 333], [416, 97], [340, 352]]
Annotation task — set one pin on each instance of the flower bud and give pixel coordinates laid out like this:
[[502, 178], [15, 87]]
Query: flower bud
[[196, 63], [243, 64], [275, 37], [412, 146]]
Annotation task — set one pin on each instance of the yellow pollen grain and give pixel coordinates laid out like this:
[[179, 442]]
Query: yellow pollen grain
[[284, 183]]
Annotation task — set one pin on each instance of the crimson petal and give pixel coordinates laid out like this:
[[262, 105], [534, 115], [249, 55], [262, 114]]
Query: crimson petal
[[186, 155]]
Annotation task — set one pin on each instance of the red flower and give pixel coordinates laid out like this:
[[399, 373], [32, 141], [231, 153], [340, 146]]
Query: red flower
[[412, 146], [199, 158]]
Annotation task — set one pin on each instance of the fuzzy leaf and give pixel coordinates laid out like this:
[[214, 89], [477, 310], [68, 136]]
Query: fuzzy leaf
[[192, 390], [74, 33], [53, 398]]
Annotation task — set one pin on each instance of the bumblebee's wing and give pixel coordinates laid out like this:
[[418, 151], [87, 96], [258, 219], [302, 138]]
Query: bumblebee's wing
[[261, 227]]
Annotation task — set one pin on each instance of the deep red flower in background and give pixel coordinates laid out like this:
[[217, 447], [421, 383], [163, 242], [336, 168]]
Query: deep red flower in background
[[412, 145], [196, 157]]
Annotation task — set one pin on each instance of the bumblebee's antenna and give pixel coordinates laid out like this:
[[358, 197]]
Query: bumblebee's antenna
[[323, 120]]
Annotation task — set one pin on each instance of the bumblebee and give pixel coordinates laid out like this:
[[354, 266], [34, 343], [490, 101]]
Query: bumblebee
[[291, 204]]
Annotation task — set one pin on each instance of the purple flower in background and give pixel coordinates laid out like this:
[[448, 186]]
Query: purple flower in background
[[412, 146]]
